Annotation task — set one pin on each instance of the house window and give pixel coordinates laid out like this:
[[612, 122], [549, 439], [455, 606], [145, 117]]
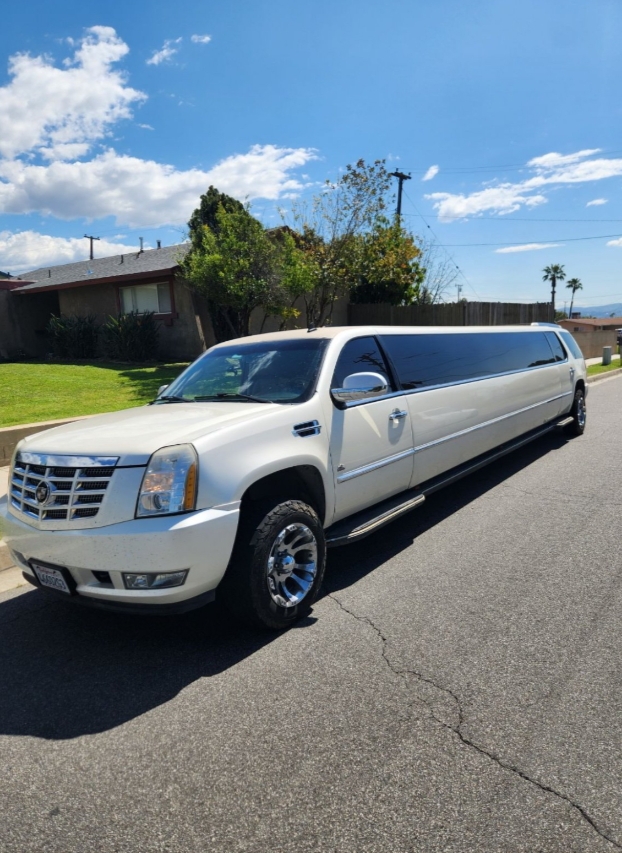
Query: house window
[[146, 297]]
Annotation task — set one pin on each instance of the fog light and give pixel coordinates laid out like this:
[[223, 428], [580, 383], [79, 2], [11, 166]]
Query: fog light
[[152, 581]]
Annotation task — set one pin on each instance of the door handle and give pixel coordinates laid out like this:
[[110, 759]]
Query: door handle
[[397, 415]]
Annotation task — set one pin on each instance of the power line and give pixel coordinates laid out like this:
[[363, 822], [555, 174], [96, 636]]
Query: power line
[[449, 255], [506, 166], [549, 240], [502, 218]]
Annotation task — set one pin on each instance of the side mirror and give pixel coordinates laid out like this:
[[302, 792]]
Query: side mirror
[[360, 386], [161, 389]]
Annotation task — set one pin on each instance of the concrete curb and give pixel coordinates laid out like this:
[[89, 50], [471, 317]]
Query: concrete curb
[[10, 436], [606, 375]]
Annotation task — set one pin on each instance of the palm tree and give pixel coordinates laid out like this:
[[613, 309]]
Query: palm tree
[[553, 273], [574, 284]]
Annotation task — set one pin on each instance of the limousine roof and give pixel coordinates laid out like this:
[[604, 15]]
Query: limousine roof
[[357, 331]]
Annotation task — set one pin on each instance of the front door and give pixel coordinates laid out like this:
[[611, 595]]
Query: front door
[[371, 441]]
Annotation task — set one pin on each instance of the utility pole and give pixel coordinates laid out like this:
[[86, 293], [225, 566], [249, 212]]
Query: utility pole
[[459, 289], [401, 177], [88, 237]]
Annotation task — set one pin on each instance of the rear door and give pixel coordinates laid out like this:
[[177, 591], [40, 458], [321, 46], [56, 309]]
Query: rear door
[[469, 392]]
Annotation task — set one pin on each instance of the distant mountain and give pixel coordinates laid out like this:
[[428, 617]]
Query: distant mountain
[[601, 310]]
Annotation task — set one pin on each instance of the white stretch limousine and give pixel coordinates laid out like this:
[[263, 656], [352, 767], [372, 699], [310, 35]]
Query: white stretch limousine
[[269, 448]]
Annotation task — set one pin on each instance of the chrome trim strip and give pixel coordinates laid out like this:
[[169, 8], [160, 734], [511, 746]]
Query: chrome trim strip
[[373, 466], [407, 392], [489, 423], [67, 461]]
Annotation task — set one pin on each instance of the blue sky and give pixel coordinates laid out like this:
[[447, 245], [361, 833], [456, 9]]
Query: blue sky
[[115, 117]]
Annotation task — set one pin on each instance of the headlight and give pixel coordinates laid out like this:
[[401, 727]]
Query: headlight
[[170, 482]]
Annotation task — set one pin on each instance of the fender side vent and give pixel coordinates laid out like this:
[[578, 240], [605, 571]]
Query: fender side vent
[[307, 428]]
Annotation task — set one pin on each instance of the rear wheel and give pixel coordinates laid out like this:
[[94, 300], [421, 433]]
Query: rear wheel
[[578, 413], [277, 566]]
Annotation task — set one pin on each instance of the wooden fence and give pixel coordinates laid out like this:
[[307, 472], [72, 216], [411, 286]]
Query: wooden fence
[[450, 314]]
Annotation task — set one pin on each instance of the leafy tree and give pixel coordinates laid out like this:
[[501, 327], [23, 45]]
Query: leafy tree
[[207, 211], [233, 265], [574, 284], [386, 266], [328, 229], [553, 273]]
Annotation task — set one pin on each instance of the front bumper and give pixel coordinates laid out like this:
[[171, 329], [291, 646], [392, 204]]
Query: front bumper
[[200, 541]]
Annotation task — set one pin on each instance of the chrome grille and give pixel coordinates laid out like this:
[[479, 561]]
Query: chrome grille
[[72, 486]]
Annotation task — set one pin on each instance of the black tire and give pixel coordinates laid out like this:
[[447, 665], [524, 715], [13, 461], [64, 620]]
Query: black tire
[[578, 413], [265, 585]]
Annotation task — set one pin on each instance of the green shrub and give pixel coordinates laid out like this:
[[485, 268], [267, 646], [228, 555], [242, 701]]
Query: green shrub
[[131, 337], [74, 337]]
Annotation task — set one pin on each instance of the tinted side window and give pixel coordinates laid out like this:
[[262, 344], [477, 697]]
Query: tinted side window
[[360, 356], [572, 345], [437, 359], [556, 346]]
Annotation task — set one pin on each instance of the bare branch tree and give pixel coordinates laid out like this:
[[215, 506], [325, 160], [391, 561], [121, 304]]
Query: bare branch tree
[[440, 272]]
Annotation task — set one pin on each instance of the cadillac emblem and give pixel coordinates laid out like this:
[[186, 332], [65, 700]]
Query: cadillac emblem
[[43, 493]]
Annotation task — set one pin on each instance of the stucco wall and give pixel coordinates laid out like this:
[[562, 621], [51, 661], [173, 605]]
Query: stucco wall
[[183, 339], [592, 343], [339, 317], [98, 299], [180, 336]]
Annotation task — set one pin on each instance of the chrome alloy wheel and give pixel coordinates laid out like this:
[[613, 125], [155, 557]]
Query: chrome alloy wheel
[[292, 565], [581, 413]]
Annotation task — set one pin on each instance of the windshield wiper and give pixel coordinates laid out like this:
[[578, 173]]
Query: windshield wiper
[[173, 399], [225, 396]]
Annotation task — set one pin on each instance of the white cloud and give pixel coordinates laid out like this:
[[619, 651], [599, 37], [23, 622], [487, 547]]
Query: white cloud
[[596, 201], [167, 51], [617, 242], [526, 247], [146, 127], [201, 39], [431, 173], [502, 199], [555, 160], [143, 192], [550, 170], [28, 250], [60, 112]]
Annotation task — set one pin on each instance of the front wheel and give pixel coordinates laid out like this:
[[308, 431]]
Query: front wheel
[[277, 566], [578, 413]]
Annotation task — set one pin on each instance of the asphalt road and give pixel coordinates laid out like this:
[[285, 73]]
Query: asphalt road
[[457, 688]]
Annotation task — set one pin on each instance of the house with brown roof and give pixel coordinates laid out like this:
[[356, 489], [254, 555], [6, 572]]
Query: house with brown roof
[[139, 281], [592, 324]]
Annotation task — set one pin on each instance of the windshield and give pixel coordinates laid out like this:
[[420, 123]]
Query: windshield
[[268, 372]]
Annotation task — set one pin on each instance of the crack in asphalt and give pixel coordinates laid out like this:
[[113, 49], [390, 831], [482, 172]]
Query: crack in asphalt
[[457, 729]]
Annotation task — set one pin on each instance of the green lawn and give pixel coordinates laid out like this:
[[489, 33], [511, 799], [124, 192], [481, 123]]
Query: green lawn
[[41, 391], [594, 369]]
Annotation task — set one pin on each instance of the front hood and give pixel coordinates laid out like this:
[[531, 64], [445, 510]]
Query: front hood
[[134, 434]]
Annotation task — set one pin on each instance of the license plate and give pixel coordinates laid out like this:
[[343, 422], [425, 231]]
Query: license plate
[[52, 578]]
